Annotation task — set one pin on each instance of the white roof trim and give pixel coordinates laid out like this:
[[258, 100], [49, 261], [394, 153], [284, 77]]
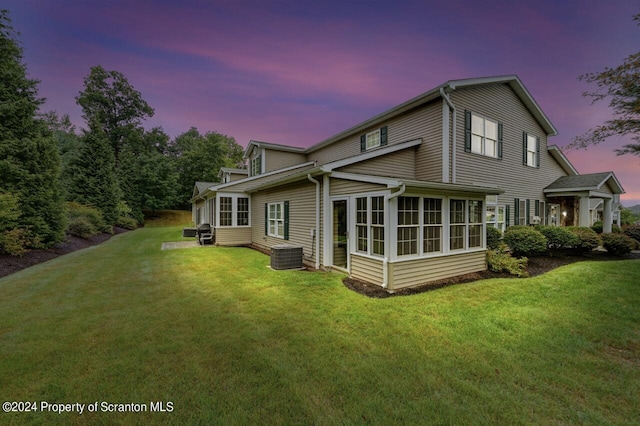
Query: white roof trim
[[562, 160], [251, 178]]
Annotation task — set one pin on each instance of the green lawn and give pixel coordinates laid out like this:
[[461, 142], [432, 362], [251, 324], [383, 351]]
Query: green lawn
[[228, 341]]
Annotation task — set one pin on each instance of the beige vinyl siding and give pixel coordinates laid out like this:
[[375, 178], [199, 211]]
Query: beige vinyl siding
[[233, 236], [416, 272], [498, 102], [412, 125], [367, 269], [275, 160], [429, 155], [302, 217], [399, 164], [348, 187]]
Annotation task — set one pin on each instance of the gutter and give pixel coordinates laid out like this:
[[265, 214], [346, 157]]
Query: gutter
[[453, 133], [317, 230], [385, 260]]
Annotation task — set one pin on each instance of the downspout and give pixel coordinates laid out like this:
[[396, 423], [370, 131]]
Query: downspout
[[317, 230], [385, 260], [453, 132]]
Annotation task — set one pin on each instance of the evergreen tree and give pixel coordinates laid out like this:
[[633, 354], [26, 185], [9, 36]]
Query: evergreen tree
[[92, 180], [29, 160]]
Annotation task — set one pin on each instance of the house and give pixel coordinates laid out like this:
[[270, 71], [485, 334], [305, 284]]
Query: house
[[404, 198]]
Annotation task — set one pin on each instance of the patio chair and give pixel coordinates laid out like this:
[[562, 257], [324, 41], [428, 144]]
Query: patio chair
[[205, 234]]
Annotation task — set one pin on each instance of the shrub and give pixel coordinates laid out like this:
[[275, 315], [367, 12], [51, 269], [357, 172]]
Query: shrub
[[525, 240], [597, 227], [500, 259], [558, 237], [617, 244], [91, 214], [616, 229], [127, 222], [633, 231], [81, 227], [494, 236], [587, 239], [14, 242]]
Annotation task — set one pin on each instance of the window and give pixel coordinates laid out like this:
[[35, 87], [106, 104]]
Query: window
[[408, 224], [373, 139], [432, 241], [475, 223], [495, 214], [362, 225], [242, 216], [256, 165], [370, 225], [457, 225], [531, 150], [226, 211], [377, 225], [276, 220], [483, 135]]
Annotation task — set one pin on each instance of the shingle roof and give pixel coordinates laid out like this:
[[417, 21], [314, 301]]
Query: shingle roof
[[592, 181], [203, 186]]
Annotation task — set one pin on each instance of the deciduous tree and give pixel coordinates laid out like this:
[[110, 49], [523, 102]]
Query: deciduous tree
[[621, 85]]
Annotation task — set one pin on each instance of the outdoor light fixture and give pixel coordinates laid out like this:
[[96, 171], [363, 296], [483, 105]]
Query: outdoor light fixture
[[564, 214]]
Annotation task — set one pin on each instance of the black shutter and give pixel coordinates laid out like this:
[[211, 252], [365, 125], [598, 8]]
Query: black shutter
[[538, 153], [266, 219], [524, 148], [500, 141], [383, 136], [516, 211], [537, 208], [526, 214], [467, 131], [286, 220], [363, 143], [507, 215]]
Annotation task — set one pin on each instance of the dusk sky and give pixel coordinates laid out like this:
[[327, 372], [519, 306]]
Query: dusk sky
[[298, 72]]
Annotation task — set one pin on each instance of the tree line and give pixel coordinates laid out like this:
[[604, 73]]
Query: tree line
[[114, 166]]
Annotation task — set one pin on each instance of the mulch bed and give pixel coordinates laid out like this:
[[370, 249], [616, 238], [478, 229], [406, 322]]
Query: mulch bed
[[535, 266], [12, 264]]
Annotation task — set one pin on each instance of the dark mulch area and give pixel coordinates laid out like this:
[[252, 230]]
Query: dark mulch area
[[535, 266], [12, 264]]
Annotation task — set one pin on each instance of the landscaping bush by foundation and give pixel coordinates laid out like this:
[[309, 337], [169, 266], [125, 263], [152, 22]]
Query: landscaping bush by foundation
[[494, 237], [617, 244], [500, 260], [525, 240], [588, 240], [558, 238]]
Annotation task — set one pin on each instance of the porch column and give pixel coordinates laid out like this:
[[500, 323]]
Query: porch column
[[583, 219], [606, 216]]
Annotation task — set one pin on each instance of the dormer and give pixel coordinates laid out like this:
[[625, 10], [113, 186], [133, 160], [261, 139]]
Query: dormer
[[264, 157], [227, 175]]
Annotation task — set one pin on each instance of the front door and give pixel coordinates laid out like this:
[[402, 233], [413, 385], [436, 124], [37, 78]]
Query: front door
[[340, 233]]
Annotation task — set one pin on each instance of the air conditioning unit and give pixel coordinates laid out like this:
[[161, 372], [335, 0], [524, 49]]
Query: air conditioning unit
[[535, 220], [286, 256]]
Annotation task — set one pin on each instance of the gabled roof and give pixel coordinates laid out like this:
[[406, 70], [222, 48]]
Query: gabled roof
[[224, 170], [588, 182], [274, 146], [512, 80], [203, 186], [564, 162]]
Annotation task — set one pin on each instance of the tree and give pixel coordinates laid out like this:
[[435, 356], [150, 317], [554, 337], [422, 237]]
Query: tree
[[622, 85], [111, 105], [200, 157], [92, 176], [29, 160], [157, 181]]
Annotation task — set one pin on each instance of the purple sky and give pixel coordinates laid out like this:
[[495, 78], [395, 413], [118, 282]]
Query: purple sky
[[298, 72]]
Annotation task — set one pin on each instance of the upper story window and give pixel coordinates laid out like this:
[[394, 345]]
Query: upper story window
[[530, 150], [256, 165], [482, 135], [373, 139]]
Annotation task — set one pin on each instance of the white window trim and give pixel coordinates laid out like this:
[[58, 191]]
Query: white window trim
[[492, 202], [483, 136], [370, 226], [532, 154], [276, 220], [234, 210], [372, 146]]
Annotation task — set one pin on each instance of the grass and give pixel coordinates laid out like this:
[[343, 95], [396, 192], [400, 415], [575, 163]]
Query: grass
[[229, 341]]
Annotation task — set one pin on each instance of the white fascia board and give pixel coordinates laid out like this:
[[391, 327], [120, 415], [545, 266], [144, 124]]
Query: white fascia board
[[286, 179], [381, 180], [616, 181], [453, 187], [562, 160], [329, 167]]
